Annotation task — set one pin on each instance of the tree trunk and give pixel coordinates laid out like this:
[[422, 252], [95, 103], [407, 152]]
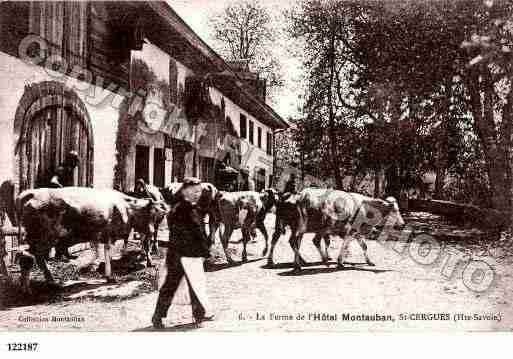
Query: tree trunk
[[377, 192], [507, 143], [439, 181], [339, 180], [443, 144], [497, 161], [393, 187]]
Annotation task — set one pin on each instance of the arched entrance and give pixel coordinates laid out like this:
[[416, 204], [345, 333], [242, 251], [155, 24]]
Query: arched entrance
[[51, 121]]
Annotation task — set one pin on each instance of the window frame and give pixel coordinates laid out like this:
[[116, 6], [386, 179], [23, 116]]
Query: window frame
[[243, 129]]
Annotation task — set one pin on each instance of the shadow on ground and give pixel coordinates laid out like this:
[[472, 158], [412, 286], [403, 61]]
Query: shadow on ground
[[77, 282], [176, 328], [333, 267], [214, 267]]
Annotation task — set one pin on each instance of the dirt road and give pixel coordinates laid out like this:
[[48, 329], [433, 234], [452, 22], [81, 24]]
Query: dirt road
[[397, 294]]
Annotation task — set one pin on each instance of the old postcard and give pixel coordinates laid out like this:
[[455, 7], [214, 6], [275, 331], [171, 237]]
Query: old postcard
[[256, 165]]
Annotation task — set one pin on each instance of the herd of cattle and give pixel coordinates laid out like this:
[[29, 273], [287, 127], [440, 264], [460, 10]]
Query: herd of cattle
[[71, 215]]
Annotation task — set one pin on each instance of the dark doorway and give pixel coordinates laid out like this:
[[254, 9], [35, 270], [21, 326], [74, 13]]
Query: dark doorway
[[54, 132], [142, 163], [260, 180], [50, 122], [159, 169]]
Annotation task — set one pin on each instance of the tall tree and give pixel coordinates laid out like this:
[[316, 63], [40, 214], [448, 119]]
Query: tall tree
[[420, 71], [245, 30], [320, 26]]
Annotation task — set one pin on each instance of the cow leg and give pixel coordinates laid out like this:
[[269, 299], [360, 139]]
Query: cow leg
[[346, 240], [248, 229], [246, 237], [292, 243], [41, 262], [26, 262], [108, 268], [317, 242], [326, 246], [302, 226], [299, 240], [146, 247], [228, 230], [155, 247], [295, 244], [260, 225], [274, 240], [363, 245], [213, 225]]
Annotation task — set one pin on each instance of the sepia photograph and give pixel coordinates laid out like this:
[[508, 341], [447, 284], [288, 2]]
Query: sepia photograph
[[254, 166]]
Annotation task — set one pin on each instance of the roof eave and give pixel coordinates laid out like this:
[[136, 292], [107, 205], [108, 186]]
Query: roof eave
[[219, 64]]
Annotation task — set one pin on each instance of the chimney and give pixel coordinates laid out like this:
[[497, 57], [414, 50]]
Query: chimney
[[252, 79]]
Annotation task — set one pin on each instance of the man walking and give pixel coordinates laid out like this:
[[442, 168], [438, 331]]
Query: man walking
[[188, 248]]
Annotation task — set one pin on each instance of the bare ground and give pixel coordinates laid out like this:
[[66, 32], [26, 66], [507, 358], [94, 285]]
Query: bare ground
[[254, 297]]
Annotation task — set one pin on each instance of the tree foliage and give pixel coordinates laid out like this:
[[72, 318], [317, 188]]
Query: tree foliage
[[245, 30], [415, 85]]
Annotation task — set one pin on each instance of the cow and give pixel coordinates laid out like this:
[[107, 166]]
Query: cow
[[244, 210], [206, 204], [328, 212], [154, 193], [80, 214]]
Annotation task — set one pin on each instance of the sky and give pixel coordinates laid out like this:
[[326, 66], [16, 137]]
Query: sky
[[196, 13]]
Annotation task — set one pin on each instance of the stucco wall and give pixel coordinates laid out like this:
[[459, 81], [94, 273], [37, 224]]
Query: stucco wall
[[15, 74], [252, 156]]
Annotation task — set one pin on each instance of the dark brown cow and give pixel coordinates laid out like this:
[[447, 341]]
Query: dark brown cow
[[78, 215], [244, 210], [155, 194], [206, 204], [328, 212]]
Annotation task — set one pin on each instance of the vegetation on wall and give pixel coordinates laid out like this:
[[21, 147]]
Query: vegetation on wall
[[143, 82]]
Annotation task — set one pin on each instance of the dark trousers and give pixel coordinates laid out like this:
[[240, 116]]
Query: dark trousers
[[175, 272]]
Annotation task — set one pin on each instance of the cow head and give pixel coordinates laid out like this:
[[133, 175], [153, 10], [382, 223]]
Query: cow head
[[394, 215], [153, 212], [377, 213], [269, 198]]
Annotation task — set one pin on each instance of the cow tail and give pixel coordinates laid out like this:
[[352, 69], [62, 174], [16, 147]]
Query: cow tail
[[20, 201]]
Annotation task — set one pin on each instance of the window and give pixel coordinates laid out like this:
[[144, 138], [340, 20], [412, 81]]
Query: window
[[243, 129], [142, 163], [64, 26], [260, 180], [269, 143], [173, 82], [159, 167], [206, 169], [251, 128], [259, 138]]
